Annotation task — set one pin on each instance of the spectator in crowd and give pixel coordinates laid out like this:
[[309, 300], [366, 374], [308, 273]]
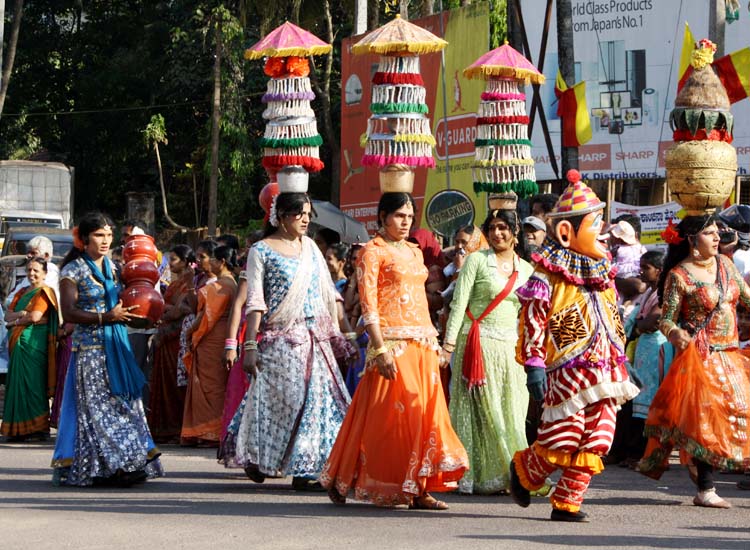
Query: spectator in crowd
[[534, 233], [40, 247], [336, 257], [207, 374], [32, 320], [741, 256], [325, 237], [542, 204]]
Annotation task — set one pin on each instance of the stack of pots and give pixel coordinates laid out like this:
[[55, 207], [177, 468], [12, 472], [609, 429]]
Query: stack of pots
[[140, 276], [702, 165]]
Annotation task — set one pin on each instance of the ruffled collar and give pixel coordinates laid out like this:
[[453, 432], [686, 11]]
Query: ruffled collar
[[573, 267]]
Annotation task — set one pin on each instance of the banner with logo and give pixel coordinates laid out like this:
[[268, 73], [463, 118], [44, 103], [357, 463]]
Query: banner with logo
[[654, 219], [628, 52], [445, 197]]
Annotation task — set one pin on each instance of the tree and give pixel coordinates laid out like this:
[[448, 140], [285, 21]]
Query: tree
[[154, 134], [10, 56]]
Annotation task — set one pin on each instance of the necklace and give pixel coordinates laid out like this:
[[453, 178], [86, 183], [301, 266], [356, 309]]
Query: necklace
[[504, 264], [709, 264], [395, 244], [288, 242]]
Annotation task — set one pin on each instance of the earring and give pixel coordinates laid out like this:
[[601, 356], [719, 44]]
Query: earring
[[696, 254]]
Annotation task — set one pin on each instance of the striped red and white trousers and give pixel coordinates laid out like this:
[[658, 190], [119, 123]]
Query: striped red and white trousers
[[574, 444]]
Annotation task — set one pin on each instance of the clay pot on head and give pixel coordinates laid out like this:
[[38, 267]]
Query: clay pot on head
[[140, 271], [139, 247], [149, 301]]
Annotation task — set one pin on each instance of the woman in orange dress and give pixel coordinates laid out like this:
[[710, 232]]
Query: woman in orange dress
[[396, 443], [207, 375], [703, 404]]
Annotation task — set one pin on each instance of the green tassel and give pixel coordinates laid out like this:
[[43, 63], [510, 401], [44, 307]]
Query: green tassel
[[385, 108], [486, 142], [314, 141]]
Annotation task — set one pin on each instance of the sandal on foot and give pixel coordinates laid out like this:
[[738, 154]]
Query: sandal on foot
[[306, 484], [427, 502], [709, 499], [255, 474], [337, 498]]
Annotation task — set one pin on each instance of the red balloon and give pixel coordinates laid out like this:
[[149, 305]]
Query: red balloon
[[269, 191]]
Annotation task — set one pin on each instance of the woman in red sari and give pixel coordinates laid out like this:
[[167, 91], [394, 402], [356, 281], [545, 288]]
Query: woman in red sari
[[207, 374], [167, 401], [32, 321]]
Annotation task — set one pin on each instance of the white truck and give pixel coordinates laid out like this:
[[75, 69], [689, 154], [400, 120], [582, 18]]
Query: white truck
[[35, 194]]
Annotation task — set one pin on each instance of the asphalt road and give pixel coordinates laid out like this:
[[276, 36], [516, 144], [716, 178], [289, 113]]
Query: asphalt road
[[200, 505]]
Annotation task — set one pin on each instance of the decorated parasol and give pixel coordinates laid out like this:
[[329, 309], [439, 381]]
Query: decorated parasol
[[399, 37], [505, 62], [288, 40], [399, 135], [502, 149], [291, 141]]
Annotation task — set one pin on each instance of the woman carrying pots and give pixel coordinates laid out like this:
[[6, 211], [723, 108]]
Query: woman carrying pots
[[102, 437]]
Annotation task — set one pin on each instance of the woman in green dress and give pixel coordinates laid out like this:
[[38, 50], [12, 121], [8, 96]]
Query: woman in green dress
[[32, 322], [488, 391]]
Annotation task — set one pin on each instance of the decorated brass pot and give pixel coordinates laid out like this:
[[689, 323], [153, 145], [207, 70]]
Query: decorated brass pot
[[701, 174]]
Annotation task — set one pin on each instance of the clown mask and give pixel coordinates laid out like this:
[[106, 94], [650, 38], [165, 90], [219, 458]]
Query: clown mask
[[588, 240]]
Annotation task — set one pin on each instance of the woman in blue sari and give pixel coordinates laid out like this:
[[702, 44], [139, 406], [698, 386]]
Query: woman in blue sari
[[103, 438]]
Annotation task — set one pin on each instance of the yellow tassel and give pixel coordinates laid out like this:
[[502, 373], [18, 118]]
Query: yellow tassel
[[522, 75], [507, 162], [288, 52], [560, 459], [588, 461], [415, 48], [567, 507], [415, 138]]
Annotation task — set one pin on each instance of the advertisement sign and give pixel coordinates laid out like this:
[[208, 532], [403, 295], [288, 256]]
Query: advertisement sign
[[628, 52], [452, 101], [654, 219]]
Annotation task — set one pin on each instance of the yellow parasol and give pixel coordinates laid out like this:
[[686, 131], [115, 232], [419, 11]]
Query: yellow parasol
[[399, 37]]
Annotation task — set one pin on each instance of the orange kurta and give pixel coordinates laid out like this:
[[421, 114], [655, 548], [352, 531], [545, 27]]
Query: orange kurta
[[396, 441]]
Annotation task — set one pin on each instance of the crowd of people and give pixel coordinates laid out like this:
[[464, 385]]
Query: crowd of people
[[390, 370]]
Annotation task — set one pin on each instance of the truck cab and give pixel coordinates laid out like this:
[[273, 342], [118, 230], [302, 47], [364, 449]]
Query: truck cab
[[28, 219]]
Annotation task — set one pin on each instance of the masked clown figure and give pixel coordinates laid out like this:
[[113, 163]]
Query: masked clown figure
[[572, 345]]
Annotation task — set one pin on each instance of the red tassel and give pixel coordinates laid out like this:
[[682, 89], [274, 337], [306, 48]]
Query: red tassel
[[515, 119], [277, 162], [700, 135], [414, 79], [473, 367]]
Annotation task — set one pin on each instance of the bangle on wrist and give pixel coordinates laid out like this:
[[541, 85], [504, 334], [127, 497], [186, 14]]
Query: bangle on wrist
[[250, 345], [450, 348], [379, 351], [230, 343]]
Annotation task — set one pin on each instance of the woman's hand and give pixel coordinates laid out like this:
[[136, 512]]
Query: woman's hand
[[679, 338], [444, 360], [250, 363], [230, 356], [386, 365], [120, 314]]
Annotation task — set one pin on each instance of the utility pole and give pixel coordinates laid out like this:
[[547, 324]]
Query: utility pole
[[566, 58], [717, 20], [2, 38], [360, 17]]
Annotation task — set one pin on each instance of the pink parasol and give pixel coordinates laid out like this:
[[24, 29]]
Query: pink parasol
[[504, 62], [288, 40], [399, 37]]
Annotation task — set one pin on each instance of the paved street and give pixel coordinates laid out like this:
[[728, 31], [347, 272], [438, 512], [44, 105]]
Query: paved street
[[203, 506]]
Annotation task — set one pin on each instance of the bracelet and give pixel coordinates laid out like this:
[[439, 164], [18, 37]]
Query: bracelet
[[99, 313], [669, 332], [230, 343], [23, 313], [379, 351], [450, 348], [250, 345]]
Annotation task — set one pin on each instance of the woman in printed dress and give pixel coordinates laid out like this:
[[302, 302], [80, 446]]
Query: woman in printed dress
[[396, 444], [297, 400], [103, 438], [702, 404], [489, 412]]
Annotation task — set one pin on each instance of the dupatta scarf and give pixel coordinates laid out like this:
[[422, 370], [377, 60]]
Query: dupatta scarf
[[126, 380]]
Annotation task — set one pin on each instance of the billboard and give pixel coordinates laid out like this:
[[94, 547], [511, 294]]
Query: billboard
[[444, 195], [628, 52]]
